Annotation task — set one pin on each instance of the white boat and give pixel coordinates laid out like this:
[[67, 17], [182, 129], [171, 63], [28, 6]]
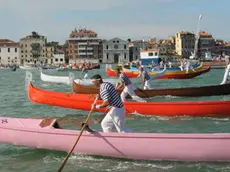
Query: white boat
[[69, 79], [57, 79], [27, 67]]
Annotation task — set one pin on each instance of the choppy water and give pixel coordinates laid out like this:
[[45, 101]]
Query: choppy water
[[14, 103]]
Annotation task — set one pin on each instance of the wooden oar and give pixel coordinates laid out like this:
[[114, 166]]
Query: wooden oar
[[78, 138]]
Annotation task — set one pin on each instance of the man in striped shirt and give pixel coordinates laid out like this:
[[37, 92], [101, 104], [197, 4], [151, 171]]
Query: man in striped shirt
[[116, 116], [146, 80], [128, 87]]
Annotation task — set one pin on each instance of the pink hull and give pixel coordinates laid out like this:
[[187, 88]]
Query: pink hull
[[143, 146]]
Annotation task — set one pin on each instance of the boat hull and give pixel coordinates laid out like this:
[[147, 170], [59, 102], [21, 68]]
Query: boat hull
[[148, 146], [167, 75], [186, 75], [84, 101], [212, 90], [68, 80]]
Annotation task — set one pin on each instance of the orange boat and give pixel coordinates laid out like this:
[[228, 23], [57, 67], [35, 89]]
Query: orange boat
[[129, 73], [84, 102], [168, 75], [185, 75]]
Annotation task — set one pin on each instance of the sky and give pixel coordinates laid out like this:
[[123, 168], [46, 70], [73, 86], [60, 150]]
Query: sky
[[135, 19]]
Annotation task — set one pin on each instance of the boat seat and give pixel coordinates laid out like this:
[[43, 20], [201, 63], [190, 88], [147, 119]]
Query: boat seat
[[49, 123]]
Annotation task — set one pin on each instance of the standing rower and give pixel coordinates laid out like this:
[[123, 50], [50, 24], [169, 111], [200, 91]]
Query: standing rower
[[146, 80], [116, 116], [85, 73], [128, 87], [226, 74]]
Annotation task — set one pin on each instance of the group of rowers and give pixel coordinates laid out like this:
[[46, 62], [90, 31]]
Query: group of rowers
[[115, 117]]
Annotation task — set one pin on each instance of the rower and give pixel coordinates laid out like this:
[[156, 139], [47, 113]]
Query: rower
[[116, 115], [146, 80], [84, 71], [226, 74], [128, 87]]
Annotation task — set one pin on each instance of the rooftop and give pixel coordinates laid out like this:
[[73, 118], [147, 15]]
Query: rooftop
[[203, 33], [8, 43], [186, 33], [82, 33]]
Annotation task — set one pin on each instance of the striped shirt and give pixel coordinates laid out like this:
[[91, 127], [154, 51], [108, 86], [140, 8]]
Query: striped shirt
[[125, 79], [145, 75], [108, 92]]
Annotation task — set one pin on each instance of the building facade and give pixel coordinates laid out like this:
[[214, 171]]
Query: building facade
[[59, 57], [33, 49], [206, 44], [9, 52], [184, 44], [116, 50], [134, 52], [84, 44]]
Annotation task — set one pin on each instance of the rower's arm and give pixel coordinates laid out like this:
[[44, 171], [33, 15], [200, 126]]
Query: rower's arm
[[121, 85], [104, 104]]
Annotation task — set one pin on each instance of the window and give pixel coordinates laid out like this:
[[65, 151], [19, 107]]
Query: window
[[125, 56], [107, 47], [8, 58], [21, 51], [61, 60], [124, 46], [56, 60], [15, 58], [16, 50], [0, 58], [107, 56], [150, 54], [116, 46], [8, 50], [0, 50]]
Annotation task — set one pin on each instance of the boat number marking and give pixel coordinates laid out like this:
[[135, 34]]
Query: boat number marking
[[4, 121]]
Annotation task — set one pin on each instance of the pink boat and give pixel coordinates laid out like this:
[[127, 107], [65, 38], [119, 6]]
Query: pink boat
[[142, 146]]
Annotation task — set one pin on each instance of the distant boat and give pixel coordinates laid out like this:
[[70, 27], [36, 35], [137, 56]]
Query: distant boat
[[13, 68], [27, 67]]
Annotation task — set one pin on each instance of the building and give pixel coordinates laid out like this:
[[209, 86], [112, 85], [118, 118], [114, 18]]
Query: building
[[116, 50], [184, 44], [33, 49], [134, 52], [206, 43], [9, 52], [59, 57], [83, 45]]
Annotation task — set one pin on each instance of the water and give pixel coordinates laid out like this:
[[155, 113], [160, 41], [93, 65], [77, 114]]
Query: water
[[15, 103]]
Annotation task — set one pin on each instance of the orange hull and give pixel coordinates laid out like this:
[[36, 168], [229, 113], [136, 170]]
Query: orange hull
[[186, 75], [130, 74], [168, 75], [84, 102]]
